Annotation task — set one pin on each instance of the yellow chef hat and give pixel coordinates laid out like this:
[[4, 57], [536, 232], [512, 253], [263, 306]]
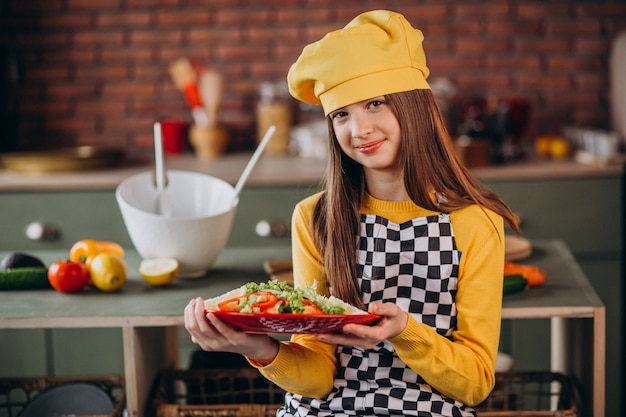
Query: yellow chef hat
[[377, 53]]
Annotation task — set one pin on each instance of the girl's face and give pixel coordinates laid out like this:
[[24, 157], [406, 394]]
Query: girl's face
[[369, 133]]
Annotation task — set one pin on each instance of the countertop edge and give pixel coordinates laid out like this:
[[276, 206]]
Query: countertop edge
[[274, 170]]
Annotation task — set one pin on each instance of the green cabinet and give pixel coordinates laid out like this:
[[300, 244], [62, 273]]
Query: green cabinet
[[585, 212], [75, 215], [588, 214], [271, 205], [87, 214]]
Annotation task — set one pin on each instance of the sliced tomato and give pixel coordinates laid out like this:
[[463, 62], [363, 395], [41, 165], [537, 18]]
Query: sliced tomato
[[311, 308], [263, 301], [231, 304]]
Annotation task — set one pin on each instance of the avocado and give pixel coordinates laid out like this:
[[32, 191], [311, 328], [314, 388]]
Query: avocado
[[20, 260]]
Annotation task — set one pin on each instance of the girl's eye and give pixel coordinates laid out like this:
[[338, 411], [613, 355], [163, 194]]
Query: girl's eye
[[375, 103], [338, 115]]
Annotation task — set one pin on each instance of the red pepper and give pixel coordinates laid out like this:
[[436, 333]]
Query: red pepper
[[311, 308]]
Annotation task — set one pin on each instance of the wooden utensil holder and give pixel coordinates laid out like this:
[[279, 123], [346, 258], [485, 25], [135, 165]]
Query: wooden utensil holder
[[208, 142]]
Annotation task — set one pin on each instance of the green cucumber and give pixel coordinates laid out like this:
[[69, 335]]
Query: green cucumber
[[514, 283], [25, 278]]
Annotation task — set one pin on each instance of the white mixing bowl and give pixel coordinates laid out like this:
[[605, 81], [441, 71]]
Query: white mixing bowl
[[201, 212]]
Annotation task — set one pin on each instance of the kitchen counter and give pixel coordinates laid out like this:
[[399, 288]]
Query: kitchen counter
[[274, 171], [149, 317]]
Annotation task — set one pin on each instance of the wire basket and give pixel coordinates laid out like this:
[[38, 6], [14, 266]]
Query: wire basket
[[244, 392], [530, 394], [217, 410], [15, 393], [236, 392]]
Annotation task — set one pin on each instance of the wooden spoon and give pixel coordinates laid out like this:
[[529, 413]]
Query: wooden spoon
[[210, 85], [186, 80]]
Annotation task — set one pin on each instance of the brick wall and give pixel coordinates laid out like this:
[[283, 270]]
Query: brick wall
[[95, 71]]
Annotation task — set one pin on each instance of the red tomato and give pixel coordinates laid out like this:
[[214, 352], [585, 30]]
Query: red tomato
[[264, 300], [231, 304], [68, 276], [259, 301], [311, 308]]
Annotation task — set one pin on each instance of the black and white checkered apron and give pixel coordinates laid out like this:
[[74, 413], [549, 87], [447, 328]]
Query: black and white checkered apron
[[414, 265]]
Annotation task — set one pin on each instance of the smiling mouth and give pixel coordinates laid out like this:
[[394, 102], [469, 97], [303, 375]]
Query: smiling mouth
[[370, 147]]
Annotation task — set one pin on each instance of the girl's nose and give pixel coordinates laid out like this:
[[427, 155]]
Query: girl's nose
[[361, 126]]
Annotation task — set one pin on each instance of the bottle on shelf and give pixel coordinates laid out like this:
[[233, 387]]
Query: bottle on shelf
[[274, 108]]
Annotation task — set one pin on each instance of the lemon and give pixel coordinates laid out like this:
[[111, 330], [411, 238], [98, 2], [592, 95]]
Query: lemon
[[159, 271], [108, 271], [559, 148]]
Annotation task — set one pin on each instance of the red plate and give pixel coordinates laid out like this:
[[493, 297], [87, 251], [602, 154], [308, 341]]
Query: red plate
[[292, 323]]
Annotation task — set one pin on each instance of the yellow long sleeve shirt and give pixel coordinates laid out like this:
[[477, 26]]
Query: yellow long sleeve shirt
[[461, 368]]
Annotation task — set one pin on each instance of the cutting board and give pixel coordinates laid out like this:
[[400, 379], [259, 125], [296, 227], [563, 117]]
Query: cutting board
[[80, 158]]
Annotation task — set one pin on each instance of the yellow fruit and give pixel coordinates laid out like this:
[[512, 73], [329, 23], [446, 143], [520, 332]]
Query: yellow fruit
[[542, 145], [108, 271], [159, 271], [555, 147], [559, 148]]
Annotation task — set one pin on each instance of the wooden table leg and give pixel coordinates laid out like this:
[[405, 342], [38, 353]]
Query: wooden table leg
[[564, 334], [599, 361], [147, 350]]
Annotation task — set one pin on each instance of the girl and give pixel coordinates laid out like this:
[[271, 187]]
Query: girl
[[402, 230]]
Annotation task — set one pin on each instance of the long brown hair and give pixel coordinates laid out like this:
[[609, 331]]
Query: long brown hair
[[430, 165]]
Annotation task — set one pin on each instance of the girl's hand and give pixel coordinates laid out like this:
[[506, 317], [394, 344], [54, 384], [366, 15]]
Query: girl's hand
[[391, 324], [212, 334]]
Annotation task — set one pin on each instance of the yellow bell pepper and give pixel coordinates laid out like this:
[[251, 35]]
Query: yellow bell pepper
[[85, 250]]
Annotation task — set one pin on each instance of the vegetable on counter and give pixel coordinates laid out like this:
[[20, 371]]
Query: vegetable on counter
[[514, 283], [21, 271], [534, 275], [100, 263], [20, 260], [24, 278], [87, 249], [104, 262], [68, 276]]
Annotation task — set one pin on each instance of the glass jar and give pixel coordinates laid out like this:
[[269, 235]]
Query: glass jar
[[273, 108]]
